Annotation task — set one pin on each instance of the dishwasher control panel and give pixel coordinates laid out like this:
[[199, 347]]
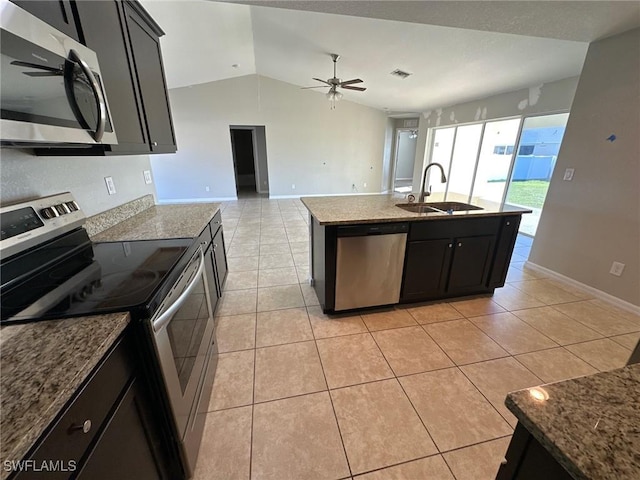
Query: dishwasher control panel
[[373, 229]]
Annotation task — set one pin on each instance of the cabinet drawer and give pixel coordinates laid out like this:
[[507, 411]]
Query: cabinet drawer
[[67, 441], [451, 228]]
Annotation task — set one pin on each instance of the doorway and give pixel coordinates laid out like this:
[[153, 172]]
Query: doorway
[[405, 156], [249, 150]]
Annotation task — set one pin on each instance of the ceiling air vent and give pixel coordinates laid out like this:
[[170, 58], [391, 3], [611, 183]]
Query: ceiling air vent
[[400, 73]]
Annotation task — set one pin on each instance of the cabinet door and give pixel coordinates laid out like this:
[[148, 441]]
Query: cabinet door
[[56, 13], [212, 281], [504, 249], [102, 24], [425, 269], [124, 449], [470, 264], [220, 254], [149, 71]]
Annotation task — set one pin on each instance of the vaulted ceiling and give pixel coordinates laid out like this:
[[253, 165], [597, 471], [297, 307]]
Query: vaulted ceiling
[[465, 52]]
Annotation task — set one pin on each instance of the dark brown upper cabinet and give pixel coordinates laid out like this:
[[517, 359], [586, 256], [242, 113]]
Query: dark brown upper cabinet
[[127, 42], [144, 36], [58, 14]]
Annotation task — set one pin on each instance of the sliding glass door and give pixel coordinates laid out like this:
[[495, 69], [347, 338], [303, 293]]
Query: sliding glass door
[[496, 162], [537, 154]]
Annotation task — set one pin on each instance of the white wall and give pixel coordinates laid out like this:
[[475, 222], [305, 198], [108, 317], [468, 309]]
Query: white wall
[[547, 98], [595, 219], [319, 150], [25, 176]]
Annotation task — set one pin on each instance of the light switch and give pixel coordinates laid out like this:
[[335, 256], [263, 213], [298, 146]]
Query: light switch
[[568, 174], [111, 187]]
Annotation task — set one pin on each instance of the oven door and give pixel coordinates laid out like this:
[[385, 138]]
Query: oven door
[[183, 329]]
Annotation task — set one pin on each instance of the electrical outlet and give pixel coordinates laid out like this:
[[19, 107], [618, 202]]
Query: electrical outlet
[[365, 185], [568, 174], [616, 269], [111, 187], [147, 177], [293, 186], [206, 189]]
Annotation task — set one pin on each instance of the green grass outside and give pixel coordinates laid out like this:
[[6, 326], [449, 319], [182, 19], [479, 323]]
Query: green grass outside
[[530, 193]]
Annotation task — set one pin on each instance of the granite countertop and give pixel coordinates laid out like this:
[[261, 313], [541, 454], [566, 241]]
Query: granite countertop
[[354, 209], [162, 221], [42, 364], [591, 425]]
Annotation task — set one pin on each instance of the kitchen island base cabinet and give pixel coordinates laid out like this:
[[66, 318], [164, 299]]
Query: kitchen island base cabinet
[[527, 459], [447, 257]]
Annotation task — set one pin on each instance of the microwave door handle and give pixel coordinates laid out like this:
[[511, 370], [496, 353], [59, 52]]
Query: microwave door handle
[[160, 322], [97, 93]]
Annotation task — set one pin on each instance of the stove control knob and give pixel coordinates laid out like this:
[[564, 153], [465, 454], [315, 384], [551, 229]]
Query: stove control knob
[[62, 209], [49, 212], [72, 206]]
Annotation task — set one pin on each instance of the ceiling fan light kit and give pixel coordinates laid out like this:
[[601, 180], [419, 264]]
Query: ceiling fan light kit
[[333, 95]]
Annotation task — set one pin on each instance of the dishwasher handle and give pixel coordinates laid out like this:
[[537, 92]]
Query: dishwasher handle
[[372, 229]]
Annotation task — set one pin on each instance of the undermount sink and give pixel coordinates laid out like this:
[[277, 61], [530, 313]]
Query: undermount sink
[[417, 208], [455, 206], [437, 207]]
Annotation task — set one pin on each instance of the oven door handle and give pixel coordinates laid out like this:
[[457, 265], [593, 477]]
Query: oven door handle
[[160, 322]]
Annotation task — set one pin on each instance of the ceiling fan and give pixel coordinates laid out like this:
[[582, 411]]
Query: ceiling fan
[[334, 83]]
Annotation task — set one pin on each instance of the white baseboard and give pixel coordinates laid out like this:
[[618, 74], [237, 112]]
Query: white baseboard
[[276, 197], [618, 302], [196, 200]]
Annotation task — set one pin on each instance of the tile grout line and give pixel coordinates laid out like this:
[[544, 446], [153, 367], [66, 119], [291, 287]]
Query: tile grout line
[[406, 395], [333, 408]]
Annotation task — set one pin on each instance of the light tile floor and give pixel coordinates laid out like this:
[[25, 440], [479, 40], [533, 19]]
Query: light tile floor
[[408, 392]]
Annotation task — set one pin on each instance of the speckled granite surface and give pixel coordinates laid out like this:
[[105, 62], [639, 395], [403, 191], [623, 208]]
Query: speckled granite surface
[[356, 209], [104, 220], [591, 425], [41, 366], [162, 221]]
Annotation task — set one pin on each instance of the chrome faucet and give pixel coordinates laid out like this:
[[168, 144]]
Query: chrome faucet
[[443, 179]]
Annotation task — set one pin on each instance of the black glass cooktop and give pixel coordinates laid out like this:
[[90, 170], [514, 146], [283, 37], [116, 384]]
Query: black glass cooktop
[[70, 276]]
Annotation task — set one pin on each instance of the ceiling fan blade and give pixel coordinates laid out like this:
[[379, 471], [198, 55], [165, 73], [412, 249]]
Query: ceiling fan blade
[[319, 86], [349, 82], [323, 81], [359, 89]]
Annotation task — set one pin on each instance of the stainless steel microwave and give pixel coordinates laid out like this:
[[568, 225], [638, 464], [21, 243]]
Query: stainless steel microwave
[[50, 88]]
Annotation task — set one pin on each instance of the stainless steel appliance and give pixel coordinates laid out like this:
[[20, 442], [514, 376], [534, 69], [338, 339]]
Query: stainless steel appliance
[[51, 269], [369, 265], [50, 91]]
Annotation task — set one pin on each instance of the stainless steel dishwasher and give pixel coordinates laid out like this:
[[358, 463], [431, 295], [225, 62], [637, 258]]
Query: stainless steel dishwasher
[[369, 264]]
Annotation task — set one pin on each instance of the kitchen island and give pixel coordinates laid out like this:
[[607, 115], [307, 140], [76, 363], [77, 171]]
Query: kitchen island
[[583, 428], [433, 255]]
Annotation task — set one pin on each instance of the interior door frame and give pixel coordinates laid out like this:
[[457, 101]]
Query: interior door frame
[[399, 130], [256, 165]]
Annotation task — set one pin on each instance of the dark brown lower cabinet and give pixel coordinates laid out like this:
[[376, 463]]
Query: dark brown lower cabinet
[[109, 429], [527, 459], [470, 264], [220, 257], [125, 448], [425, 272]]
